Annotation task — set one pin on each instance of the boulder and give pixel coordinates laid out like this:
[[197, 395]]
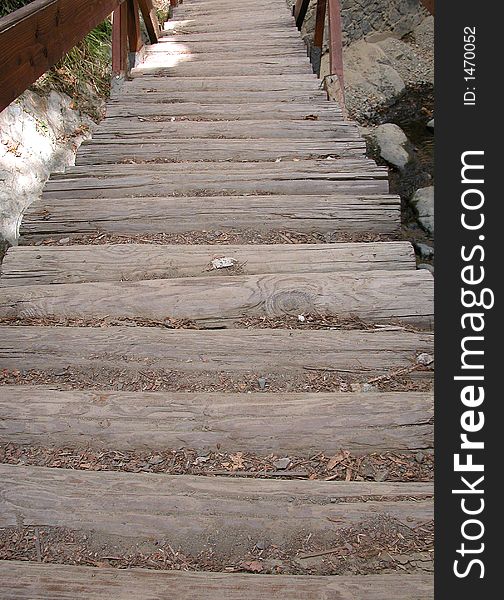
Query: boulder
[[423, 201], [391, 141]]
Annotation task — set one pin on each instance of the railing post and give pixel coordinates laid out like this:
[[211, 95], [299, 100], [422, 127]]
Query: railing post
[[134, 33], [318, 39], [300, 10], [336, 46], [150, 19], [120, 39]]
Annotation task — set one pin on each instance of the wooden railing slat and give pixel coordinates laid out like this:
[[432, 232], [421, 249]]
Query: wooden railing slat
[[150, 19], [120, 39], [300, 10], [134, 33], [336, 45]]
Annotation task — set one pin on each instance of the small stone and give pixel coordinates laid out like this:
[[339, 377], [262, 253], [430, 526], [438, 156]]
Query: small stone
[[425, 359], [301, 318], [156, 460], [419, 457], [63, 241], [430, 124], [367, 468], [381, 475], [367, 387], [282, 463], [261, 545], [425, 251], [262, 383]]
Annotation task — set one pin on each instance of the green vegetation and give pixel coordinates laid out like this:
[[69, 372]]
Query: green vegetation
[[84, 73], [7, 6]]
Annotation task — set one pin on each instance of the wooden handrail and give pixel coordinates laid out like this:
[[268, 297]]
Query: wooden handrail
[[37, 36], [333, 10]]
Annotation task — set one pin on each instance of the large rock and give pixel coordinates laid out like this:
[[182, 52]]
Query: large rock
[[39, 135], [423, 200], [370, 79], [391, 141]]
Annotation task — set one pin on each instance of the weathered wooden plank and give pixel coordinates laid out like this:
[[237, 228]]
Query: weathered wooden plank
[[175, 59], [217, 69], [296, 82], [25, 265], [144, 131], [110, 152], [302, 424], [26, 581], [203, 51], [188, 511], [59, 216], [367, 353], [223, 112], [240, 97], [377, 296], [34, 38], [308, 177]]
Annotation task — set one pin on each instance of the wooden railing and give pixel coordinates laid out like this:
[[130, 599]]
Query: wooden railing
[[37, 36], [332, 9]]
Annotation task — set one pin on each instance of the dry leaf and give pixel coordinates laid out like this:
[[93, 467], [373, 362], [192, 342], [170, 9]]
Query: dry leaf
[[237, 461], [254, 566], [337, 458]]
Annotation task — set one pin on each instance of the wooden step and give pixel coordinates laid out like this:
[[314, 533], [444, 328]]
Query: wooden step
[[234, 97], [217, 69], [57, 216], [25, 265], [140, 132], [378, 296], [182, 150], [287, 34], [301, 424], [23, 580], [283, 357], [141, 112], [355, 177], [123, 512], [204, 51], [251, 83]]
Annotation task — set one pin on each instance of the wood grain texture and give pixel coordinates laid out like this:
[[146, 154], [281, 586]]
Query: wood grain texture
[[59, 216], [153, 96], [251, 83], [369, 353], [25, 265], [303, 424], [102, 152], [169, 131], [142, 112], [354, 177], [26, 581], [189, 511], [377, 296]]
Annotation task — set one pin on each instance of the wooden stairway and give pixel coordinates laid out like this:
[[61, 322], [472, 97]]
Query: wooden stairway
[[216, 353]]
